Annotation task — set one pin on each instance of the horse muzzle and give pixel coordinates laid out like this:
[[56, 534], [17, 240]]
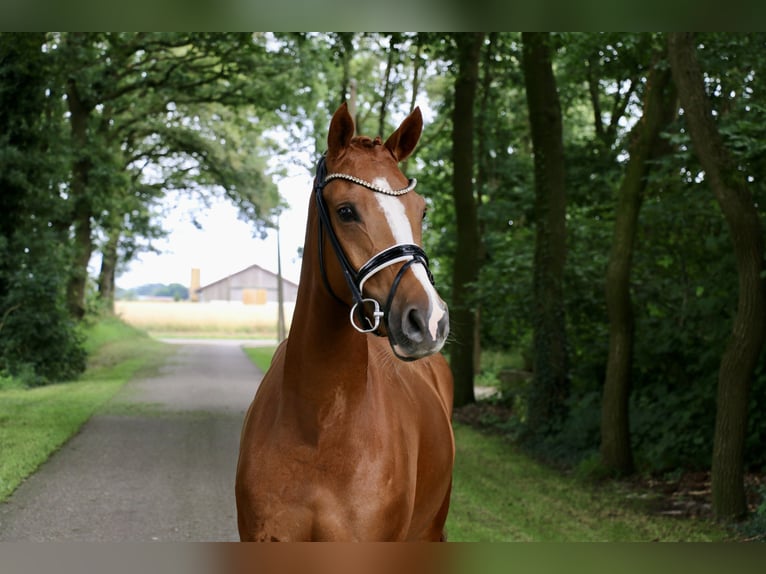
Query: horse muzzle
[[417, 331], [415, 318]]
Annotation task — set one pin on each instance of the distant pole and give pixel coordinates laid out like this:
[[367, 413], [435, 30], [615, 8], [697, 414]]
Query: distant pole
[[281, 331], [194, 285]]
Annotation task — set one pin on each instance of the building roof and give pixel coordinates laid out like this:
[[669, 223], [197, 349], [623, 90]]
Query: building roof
[[245, 270]]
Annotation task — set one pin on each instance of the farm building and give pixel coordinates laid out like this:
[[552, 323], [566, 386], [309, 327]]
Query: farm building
[[253, 285]]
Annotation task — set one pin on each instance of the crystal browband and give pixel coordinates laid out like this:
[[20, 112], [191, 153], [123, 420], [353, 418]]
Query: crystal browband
[[371, 186]]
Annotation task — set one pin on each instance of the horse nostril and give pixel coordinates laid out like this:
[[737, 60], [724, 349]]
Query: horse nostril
[[414, 325]]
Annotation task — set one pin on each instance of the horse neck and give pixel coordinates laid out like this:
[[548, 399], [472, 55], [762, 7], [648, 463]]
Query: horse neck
[[322, 342]]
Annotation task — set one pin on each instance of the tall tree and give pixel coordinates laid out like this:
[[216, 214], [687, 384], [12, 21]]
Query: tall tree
[[482, 171], [550, 388], [465, 265], [38, 341], [125, 90], [81, 107], [659, 109], [749, 328]]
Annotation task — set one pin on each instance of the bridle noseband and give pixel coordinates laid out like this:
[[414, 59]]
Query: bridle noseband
[[407, 253]]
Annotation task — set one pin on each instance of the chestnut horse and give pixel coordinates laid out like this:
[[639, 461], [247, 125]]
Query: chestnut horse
[[349, 434]]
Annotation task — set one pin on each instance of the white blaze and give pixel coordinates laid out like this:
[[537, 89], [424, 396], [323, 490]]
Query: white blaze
[[401, 229]]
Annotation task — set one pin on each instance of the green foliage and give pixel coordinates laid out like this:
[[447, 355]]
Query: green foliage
[[755, 453], [754, 528], [190, 113], [591, 469], [684, 284], [504, 286], [94, 129], [496, 367], [673, 429], [39, 342]]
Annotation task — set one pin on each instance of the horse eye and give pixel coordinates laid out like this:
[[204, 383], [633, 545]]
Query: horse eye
[[347, 214]]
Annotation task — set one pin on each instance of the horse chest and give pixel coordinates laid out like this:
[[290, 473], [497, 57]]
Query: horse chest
[[379, 442], [375, 468], [392, 466]]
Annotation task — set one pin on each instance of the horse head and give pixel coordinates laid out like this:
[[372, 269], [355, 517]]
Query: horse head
[[371, 217]]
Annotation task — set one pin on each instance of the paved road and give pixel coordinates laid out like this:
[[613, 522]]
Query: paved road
[[157, 465]]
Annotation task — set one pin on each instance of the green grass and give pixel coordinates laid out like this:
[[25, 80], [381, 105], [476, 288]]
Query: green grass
[[35, 422], [260, 356], [499, 494]]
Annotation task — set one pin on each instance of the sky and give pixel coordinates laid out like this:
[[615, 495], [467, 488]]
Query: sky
[[225, 244]]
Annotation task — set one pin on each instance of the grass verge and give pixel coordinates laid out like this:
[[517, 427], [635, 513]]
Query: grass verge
[[501, 495], [35, 422], [260, 356]]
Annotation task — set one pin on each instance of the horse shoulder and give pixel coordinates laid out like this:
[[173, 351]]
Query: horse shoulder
[[421, 391], [258, 471], [268, 391], [441, 380]]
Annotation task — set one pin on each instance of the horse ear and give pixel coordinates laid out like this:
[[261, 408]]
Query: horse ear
[[341, 131], [402, 142]]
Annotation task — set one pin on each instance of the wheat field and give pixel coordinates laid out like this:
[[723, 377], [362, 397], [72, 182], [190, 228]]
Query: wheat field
[[219, 319]]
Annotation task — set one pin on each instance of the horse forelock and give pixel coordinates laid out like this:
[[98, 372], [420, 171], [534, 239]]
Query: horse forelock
[[360, 156], [365, 142], [358, 144]]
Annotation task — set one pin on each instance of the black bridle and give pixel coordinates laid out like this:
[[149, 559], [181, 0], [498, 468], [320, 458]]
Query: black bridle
[[407, 252]]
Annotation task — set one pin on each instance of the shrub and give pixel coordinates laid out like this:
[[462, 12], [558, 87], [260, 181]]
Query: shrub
[[40, 342]]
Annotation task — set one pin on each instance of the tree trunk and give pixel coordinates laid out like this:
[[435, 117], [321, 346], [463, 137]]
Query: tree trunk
[[659, 109], [81, 213], [466, 268], [108, 270], [416, 73], [593, 90], [749, 328], [482, 175], [550, 388], [415, 87], [346, 42], [388, 85]]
